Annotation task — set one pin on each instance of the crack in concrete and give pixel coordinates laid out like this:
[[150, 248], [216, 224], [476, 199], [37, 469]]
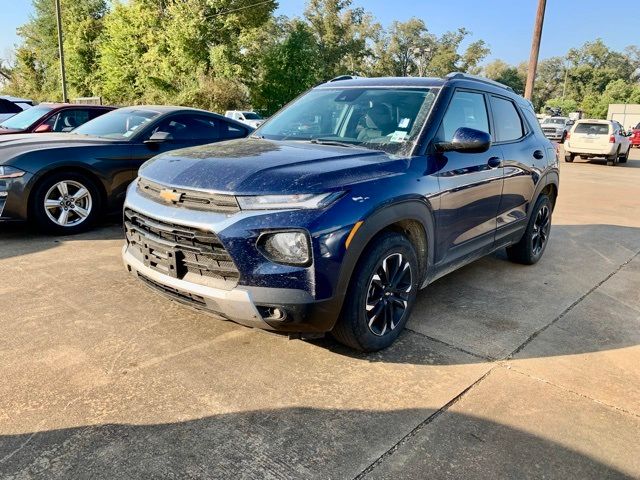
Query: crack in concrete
[[441, 342], [420, 426], [569, 308], [561, 387], [499, 364]]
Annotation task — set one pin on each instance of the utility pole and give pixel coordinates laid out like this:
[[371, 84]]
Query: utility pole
[[535, 49], [61, 51]]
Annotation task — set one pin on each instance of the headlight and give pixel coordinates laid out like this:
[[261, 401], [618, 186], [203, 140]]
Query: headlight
[[280, 202], [289, 248], [10, 172]]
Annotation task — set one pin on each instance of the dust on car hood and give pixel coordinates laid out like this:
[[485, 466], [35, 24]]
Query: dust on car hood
[[250, 166]]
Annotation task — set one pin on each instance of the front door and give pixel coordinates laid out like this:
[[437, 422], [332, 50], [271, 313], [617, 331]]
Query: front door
[[470, 184]]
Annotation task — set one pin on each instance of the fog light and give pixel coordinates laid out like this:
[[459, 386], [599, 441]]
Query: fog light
[[289, 248]]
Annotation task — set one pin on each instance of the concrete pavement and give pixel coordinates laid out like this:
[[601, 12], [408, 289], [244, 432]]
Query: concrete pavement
[[505, 371]]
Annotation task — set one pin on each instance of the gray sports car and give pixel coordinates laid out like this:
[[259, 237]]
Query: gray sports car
[[65, 181]]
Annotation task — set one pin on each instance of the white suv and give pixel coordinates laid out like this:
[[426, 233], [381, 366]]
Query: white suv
[[248, 118], [597, 138]]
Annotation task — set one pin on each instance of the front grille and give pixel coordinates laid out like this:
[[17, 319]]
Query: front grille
[[180, 251], [552, 131], [192, 199]]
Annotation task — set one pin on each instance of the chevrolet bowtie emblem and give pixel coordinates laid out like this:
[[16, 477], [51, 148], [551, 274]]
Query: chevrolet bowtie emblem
[[170, 196]]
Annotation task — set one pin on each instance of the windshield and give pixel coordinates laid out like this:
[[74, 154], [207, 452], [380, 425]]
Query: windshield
[[555, 121], [386, 119], [118, 124], [26, 118], [251, 116]]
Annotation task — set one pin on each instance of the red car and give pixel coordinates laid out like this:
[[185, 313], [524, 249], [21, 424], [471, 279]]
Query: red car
[[635, 136], [52, 117]]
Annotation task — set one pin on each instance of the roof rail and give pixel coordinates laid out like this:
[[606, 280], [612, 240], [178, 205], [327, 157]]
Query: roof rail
[[477, 78], [344, 77]]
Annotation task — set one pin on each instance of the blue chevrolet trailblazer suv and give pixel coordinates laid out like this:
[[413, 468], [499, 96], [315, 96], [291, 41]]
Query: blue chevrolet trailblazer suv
[[334, 213]]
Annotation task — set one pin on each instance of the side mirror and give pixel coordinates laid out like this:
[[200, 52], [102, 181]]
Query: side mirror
[[159, 137], [466, 140], [44, 128]]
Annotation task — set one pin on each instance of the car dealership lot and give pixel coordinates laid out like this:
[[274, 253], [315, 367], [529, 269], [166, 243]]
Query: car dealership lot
[[506, 371]]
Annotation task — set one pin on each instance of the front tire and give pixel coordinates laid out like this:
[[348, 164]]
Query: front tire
[[534, 241], [65, 203], [381, 294]]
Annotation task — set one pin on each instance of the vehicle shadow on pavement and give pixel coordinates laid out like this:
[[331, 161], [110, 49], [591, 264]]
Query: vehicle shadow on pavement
[[601, 161], [326, 444], [21, 239], [492, 307]]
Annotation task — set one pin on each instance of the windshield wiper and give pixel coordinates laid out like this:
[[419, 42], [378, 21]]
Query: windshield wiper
[[337, 143]]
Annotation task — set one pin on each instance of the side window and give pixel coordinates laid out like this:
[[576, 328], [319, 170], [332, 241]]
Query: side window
[[8, 107], [67, 120], [506, 119], [467, 109], [190, 127], [232, 131]]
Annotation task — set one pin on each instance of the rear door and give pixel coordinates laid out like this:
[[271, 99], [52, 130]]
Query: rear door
[[524, 157]]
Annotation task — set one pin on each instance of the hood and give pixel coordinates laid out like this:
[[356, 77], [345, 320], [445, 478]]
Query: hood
[[256, 166], [9, 131], [18, 144]]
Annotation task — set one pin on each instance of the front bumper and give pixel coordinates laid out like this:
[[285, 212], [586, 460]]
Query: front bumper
[[554, 135], [250, 304], [235, 304]]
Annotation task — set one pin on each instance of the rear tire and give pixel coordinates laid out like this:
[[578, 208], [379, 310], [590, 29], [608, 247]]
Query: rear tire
[[381, 295], [534, 241], [613, 159], [569, 157], [625, 157], [65, 203]]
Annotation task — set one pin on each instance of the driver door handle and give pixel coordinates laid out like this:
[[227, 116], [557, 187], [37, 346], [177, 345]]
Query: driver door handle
[[494, 162]]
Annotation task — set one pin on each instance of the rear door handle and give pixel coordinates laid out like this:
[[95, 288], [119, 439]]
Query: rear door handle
[[494, 162], [538, 154]]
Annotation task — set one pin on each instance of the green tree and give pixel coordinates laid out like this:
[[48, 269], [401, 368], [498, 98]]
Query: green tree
[[343, 35], [288, 68], [36, 72]]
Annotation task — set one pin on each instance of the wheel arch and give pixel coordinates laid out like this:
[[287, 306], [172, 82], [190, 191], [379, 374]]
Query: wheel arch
[[95, 178], [413, 218]]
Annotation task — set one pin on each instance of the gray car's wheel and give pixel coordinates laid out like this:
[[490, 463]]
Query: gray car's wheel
[[569, 157], [65, 203], [613, 159], [534, 241], [381, 294]]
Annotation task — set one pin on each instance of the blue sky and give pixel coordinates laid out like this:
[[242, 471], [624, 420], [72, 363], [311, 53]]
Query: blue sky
[[505, 25]]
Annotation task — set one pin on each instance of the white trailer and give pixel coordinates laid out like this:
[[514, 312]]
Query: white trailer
[[627, 114]]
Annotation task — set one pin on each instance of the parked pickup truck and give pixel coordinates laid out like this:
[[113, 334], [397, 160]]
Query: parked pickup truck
[[332, 215], [556, 128]]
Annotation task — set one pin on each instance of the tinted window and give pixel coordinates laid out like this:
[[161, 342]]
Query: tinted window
[[232, 131], [251, 116], [8, 107], [592, 128], [190, 127], [507, 122], [532, 120], [67, 120], [467, 109]]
